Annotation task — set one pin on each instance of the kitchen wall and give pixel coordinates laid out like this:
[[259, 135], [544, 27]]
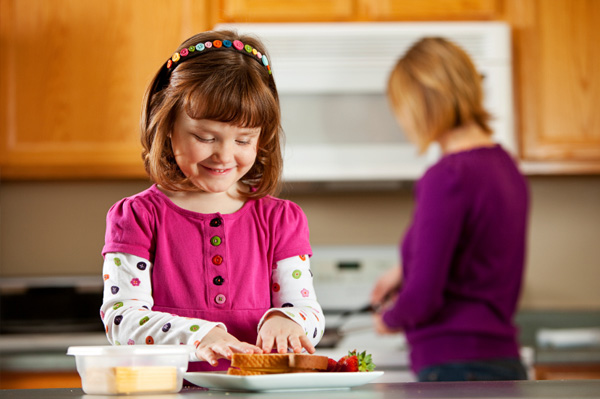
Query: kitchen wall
[[57, 229]]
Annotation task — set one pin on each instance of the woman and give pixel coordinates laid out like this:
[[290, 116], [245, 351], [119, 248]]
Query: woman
[[463, 254]]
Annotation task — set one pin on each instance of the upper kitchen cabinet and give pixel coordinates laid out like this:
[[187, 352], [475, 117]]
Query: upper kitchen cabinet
[[73, 73], [72, 78], [354, 10], [431, 10], [557, 61], [284, 11]]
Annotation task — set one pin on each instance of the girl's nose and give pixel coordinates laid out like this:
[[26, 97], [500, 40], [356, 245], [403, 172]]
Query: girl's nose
[[224, 152]]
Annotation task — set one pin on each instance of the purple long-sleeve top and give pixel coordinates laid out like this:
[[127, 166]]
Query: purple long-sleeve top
[[463, 260]]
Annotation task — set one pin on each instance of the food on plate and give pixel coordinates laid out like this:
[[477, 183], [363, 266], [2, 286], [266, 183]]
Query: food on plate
[[352, 362], [276, 363]]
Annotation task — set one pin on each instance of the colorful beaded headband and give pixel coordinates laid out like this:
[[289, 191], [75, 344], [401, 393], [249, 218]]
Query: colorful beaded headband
[[200, 48]]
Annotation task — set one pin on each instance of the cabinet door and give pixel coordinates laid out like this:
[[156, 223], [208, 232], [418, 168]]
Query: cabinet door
[[39, 380], [567, 371], [73, 74], [405, 10], [357, 10], [285, 11], [557, 61]]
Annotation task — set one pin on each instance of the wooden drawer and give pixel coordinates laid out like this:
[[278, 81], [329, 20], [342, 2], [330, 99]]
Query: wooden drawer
[[562, 371], [39, 379]]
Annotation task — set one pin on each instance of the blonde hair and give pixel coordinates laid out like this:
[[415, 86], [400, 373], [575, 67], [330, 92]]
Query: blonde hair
[[434, 88], [223, 85]]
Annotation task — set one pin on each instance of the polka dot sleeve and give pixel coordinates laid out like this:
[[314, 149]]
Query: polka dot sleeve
[[127, 308], [293, 294]]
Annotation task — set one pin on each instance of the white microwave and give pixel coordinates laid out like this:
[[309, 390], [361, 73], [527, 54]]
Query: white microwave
[[331, 79]]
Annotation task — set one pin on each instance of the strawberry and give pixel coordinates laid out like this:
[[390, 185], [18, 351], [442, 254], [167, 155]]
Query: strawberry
[[331, 364], [354, 362], [348, 363]]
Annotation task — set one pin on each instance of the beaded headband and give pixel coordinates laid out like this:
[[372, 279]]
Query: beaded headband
[[202, 48]]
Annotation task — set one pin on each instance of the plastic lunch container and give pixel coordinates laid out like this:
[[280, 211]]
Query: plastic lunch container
[[131, 369]]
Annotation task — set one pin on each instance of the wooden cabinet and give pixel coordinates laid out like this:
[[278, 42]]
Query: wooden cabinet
[[73, 73], [285, 11], [355, 10], [567, 371], [557, 59], [72, 78], [39, 379], [437, 10]]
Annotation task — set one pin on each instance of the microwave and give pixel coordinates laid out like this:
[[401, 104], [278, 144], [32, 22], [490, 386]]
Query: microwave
[[332, 77]]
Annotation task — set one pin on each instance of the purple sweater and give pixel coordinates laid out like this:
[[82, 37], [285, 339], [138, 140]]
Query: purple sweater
[[463, 259]]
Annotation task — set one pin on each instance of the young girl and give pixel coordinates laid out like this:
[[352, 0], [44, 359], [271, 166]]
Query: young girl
[[463, 255], [206, 256]]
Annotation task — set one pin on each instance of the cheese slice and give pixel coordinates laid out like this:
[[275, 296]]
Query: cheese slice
[[145, 379]]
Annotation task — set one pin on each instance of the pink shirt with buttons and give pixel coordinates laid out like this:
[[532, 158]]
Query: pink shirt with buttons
[[172, 274]]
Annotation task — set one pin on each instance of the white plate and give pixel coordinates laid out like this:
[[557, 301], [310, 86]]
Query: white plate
[[280, 382]]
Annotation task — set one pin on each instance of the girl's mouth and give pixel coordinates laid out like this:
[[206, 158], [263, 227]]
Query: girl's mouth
[[217, 171]]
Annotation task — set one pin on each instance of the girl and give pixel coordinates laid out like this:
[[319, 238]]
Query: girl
[[463, 255], [207, 256]]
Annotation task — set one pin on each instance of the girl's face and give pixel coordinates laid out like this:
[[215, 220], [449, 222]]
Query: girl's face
[[213, 155]]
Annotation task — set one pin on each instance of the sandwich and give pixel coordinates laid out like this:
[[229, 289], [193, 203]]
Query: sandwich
[[276, 363]]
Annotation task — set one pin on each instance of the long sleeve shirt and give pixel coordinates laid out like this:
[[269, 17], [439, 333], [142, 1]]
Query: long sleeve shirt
[[463, 260], [172, 274]]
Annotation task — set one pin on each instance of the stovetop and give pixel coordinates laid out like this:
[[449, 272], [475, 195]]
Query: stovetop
[[49, 306]]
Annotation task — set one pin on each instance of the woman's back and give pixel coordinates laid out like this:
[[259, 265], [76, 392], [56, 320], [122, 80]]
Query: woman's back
[[463, 258]]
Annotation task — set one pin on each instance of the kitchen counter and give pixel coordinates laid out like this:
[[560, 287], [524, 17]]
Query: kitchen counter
[[432, 390]]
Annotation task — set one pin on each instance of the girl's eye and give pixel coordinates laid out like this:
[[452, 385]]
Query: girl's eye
[[243, 142], [203, 139]]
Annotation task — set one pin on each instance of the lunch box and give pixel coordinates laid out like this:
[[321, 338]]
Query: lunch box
[[131, 369]]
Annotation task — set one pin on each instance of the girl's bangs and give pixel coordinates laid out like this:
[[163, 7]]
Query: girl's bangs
[[239, 103]]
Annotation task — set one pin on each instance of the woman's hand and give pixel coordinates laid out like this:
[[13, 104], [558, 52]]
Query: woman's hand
[[280, 332], [219, 344], [386, 288], [381, 327]]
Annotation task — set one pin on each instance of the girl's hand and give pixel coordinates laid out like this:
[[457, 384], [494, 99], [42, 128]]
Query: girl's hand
[[219, 344], [381, 327], [281, 332]]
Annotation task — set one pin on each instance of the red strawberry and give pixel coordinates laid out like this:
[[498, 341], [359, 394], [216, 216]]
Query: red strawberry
[[331, 364], [354, 362], [348, 363]]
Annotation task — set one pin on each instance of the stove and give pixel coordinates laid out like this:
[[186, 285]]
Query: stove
[[50, 305], [344, 277]]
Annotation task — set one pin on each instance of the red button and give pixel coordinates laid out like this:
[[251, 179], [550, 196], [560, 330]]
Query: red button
[[217, 260]]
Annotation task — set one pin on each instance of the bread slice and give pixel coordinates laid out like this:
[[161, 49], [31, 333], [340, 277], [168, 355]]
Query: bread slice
[[305, 361], [234, 371], [275, 363], [261, 361]]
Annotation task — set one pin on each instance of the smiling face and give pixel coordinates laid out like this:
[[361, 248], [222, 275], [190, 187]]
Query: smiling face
[[213, 155]]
